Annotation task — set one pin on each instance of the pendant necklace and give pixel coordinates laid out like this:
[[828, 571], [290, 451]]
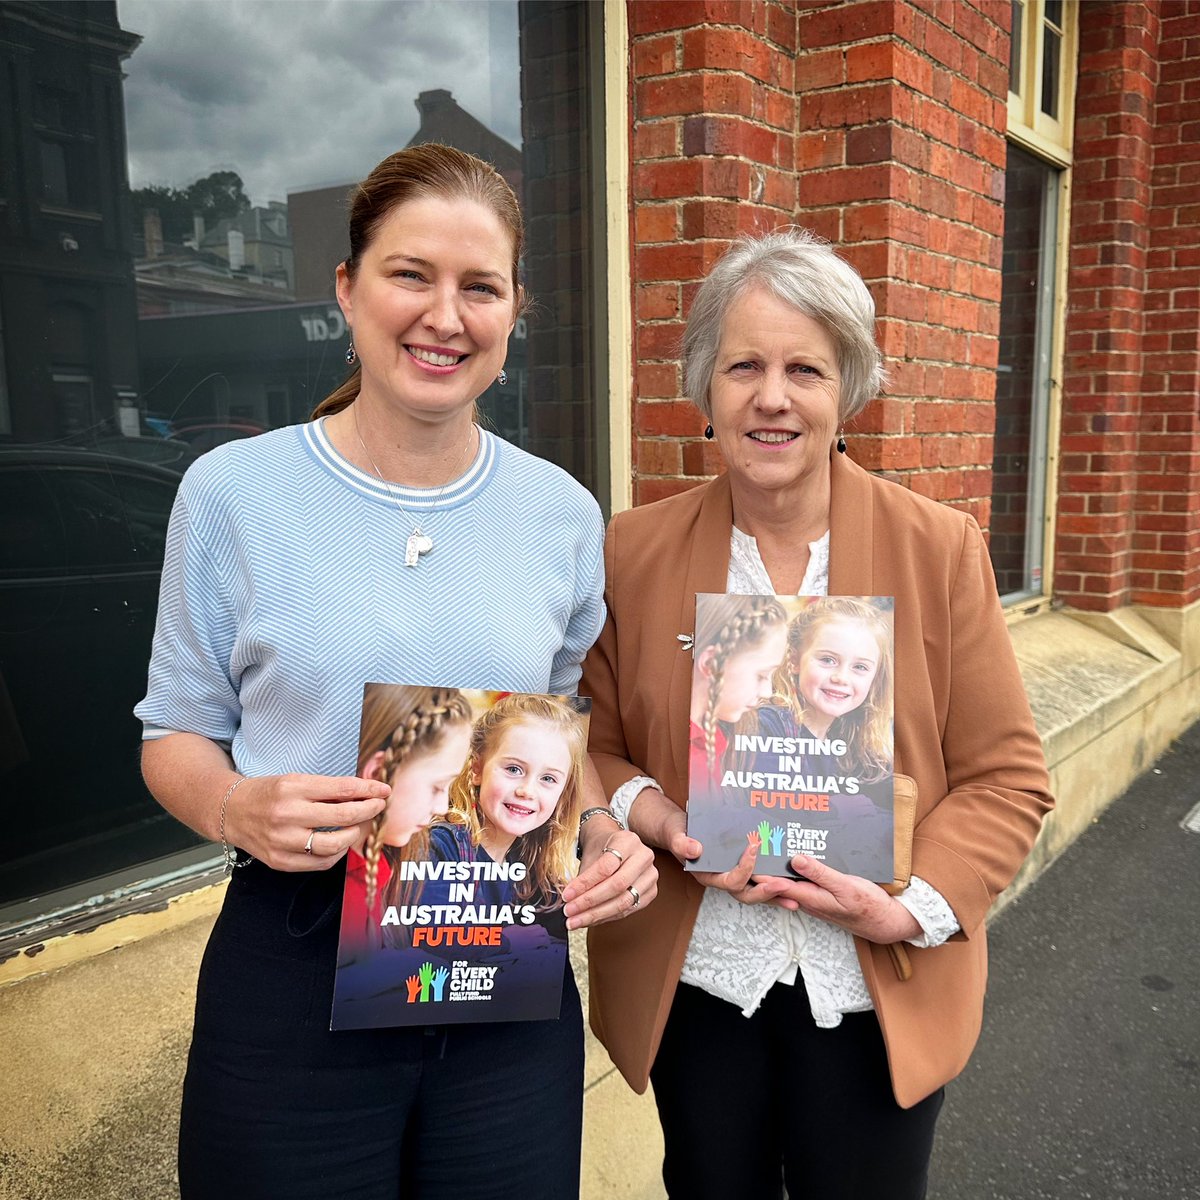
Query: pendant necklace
[[419, 542]]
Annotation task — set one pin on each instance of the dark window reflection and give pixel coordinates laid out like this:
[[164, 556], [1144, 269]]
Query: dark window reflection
[[1019, 382], [172, 209]]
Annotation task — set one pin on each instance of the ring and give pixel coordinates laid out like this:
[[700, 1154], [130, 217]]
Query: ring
[[312, 833], [637, 896], [615, 853]]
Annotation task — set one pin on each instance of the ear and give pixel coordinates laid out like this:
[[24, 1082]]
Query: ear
[[476, 771], [344, 286], [704, 662], [372, 767]]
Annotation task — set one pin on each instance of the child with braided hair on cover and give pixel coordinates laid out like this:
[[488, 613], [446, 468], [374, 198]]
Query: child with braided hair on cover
[[414, 739], [740, 643]]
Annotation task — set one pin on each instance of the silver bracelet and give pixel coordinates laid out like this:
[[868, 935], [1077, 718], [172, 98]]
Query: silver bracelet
[[228, 852], [600, 810]]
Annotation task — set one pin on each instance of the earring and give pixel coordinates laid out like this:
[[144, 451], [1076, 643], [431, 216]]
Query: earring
[[502, 378], [351, 355], [841, 443], [708, 432]]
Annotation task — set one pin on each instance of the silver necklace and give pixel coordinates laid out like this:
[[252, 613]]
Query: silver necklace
[[419, 542]]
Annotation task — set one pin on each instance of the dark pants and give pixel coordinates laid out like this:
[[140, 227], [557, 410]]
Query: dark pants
[[275, 1105], [750, 1104]]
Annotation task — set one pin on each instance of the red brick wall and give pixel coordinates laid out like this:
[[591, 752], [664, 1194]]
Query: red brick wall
[[1130, 440], [880, 125], [1166, 561], [712, 141]]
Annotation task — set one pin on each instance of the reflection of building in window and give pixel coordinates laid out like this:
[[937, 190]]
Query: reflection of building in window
[[242, 261], [68, 317]]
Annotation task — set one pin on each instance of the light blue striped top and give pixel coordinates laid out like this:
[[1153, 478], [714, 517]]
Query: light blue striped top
[[284, 591]]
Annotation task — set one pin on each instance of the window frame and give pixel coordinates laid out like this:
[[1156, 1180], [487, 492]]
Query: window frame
[[1052, 141]]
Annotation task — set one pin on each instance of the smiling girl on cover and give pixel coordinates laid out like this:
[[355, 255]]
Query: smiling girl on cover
[[519, 795], [837, 683]]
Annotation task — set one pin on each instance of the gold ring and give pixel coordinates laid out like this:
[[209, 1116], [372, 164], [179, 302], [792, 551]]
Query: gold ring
[[312, 833]]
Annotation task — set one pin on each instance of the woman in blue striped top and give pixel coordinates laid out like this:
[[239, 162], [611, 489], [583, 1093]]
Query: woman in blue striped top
[[389, 539]]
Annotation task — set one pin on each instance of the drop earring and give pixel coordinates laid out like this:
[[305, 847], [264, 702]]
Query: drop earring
[[502, 378], [351, 355], [841, 443], [708, 432]]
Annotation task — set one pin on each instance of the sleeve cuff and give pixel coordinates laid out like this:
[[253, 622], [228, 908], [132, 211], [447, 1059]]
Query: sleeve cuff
[[936, 918], [623, 798]]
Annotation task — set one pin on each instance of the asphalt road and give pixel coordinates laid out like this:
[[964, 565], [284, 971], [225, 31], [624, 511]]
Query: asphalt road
[[1086, 1082]]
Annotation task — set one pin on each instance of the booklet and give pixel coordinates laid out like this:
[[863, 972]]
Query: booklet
[[452, 908], [791, 734]]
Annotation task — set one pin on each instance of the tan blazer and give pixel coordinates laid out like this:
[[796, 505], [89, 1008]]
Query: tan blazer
[[963, 732]]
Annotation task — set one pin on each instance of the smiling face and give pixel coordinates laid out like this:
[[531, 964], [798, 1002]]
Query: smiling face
[[747, 676], [421, 786], [836, 671], [431, 306], [775, 392], [522, 780]]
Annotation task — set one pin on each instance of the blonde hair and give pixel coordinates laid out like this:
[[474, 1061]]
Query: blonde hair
[[404, 723], [415, 173], [548, 851], [730, 625], [867, 730]]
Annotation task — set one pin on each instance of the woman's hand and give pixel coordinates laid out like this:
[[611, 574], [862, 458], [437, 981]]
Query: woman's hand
[[272, 816], [856, 904], [616, 876], [739, 881]]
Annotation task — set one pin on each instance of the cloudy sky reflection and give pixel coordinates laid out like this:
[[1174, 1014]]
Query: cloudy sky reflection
[[294, 94]]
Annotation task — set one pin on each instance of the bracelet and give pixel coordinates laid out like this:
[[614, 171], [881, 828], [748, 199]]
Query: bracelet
[[228, 852], [600, 810]]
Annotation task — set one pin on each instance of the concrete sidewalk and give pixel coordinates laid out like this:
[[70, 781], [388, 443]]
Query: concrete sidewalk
[[1086, 1083]]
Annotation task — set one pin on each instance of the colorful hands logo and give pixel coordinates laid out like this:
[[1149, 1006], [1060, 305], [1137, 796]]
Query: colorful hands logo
[[770, 837], [425, 981]]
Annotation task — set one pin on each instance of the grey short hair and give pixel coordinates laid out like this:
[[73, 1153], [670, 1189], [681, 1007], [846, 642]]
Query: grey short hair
[[802, 270]]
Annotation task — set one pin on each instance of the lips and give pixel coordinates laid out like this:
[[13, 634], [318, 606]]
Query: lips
[[836, 697], [518, 811], [772, 437]]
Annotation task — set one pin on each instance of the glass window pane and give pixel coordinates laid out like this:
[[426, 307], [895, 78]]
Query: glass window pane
[[196, 306], [1023, 376], [1051, 53], [1017, 46]]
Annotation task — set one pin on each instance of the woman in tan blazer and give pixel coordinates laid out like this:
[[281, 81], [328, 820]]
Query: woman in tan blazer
[[801, 1031]]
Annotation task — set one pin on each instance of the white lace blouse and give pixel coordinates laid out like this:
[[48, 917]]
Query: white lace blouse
[[739, 951]]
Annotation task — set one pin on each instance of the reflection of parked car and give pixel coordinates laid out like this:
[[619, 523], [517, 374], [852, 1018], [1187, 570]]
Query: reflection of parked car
[[167, 452], [81, 549], [204, 435]]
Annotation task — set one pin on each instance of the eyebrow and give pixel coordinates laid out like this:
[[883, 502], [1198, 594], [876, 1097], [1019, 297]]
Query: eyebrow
[[474, 272]]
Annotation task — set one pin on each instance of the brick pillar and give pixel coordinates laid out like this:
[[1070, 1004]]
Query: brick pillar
[[1166, 557], [1109, 240], [879, 125], [902, 111], [713, 117]]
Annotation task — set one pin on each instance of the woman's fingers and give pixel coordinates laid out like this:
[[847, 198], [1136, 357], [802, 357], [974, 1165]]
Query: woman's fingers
[[611, 885], [301, 822]]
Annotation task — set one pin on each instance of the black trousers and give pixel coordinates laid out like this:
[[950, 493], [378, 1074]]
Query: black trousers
[[749, 1105], [277, 1106]]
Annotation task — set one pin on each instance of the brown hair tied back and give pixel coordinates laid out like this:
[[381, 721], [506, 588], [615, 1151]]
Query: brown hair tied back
[[415, 173]]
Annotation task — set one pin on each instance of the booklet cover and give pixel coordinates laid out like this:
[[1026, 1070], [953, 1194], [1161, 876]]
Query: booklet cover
[[452, 910], [791, 732]]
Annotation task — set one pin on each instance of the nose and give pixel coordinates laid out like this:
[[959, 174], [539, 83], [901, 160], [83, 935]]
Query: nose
[[772, 394], [443, 316]]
